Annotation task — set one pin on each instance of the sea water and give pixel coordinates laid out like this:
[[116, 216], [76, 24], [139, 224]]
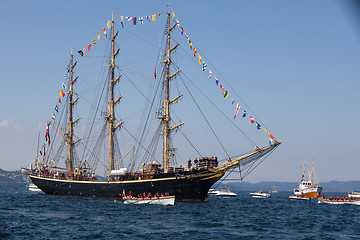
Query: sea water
[[27, 215]]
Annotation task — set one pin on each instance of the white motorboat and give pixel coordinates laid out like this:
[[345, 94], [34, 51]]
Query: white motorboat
[[225, 193], [354, 194], [167, 200], [299, 198], [213, 191], [33, 188], [260, 194]]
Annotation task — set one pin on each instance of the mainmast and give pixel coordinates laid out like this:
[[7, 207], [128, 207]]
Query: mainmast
[[111, 104], [167, 102], [70, 133]]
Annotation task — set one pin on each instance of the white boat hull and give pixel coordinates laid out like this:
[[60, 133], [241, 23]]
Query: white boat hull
[[157, 201], [34, 188], [226, 194], [260, 195], [299, 198], [339, 202]]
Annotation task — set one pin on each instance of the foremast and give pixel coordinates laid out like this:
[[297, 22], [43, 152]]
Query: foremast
[[167, 102], [70, 133], [111, 103]]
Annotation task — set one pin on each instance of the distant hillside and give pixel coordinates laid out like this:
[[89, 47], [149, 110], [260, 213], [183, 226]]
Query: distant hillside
[[11, 176]]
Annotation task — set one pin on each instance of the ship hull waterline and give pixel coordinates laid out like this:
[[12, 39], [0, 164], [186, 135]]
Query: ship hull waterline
[[185, 188]]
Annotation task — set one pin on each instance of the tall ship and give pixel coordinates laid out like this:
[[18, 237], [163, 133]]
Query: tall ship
[[69, 164], [308, 187]]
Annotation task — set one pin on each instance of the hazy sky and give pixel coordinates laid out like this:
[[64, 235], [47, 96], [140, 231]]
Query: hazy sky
[[295, 63]]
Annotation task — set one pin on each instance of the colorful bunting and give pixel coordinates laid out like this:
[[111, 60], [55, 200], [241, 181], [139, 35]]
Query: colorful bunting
[[108, 24], [99, 36], [190, 44], [148, 18], [141, 20], [226, 94], [56, 108], [177, 23], [237, 109], [81, 53], [182, 31], [64, 86], [210, 73], [199, 58], [62, 94], [59, 100], [204, 66], [159, 13], [53, 116], [195, 52], [155, 73], [232, 101], [258, 126], [104, 31], [94, 41], [89, 47], [244, 114], [154, 17], [134, 20], [173, 16], [84, 51], [266, 131], [251, 119], [122, 21]]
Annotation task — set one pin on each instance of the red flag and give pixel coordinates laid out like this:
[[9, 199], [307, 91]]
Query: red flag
[[104, 30], [59, 100], [89, 47], [195, 52], [84, 51], [251, 119], [272, 137]]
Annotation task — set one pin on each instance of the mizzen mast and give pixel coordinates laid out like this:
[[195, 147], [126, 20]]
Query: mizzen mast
[[111, 104], [167, 102], [70, 133]]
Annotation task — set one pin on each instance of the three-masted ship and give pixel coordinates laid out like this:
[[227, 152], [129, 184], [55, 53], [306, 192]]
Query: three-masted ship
[[189, 183]]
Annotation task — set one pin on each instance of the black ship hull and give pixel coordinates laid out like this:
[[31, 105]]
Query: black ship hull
[[188, 186]]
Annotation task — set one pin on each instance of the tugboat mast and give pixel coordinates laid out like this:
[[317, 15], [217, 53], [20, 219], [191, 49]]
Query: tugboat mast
[[111, 104]]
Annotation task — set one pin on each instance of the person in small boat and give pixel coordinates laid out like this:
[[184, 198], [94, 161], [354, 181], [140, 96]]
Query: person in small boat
[[167, 194], [157, 195], [196, 163], [149, 195], [123, 193]]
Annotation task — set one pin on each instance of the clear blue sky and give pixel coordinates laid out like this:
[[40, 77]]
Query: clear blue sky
[[295, 63]]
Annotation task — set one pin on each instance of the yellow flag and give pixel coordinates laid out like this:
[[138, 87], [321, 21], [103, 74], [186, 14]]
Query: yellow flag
[[199, 58], [94, 41], [99, 36], [159, 13], [266, 131], [191, 45], [108, 24], [122, 18], [173, 16], [154, 17]]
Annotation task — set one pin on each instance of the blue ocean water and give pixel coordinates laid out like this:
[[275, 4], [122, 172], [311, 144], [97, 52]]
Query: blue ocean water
[[26, 215]]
